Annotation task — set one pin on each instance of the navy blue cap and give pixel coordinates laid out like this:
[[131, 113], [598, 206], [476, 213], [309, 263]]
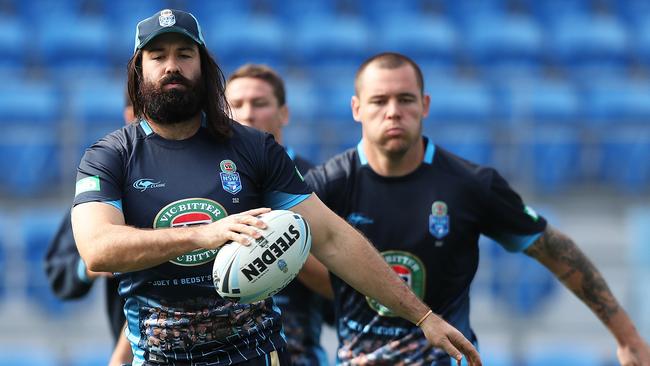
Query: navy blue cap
[[167, 21]]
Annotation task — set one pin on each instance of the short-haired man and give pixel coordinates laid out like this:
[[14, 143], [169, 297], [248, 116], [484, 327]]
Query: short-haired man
[[424, 209], [257, 98]]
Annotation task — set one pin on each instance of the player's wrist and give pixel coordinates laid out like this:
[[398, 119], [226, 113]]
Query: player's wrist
[[423, 318]]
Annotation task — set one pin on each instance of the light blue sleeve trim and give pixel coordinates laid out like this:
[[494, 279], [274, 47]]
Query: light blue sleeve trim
[[132, 331], [290, 152], [145, 127], [429, 152], [81, 272], [362, 155], [516, 243], [283, 201], [117, 204]]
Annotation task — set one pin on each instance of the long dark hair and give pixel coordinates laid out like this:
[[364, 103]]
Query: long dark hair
[[215, 107]]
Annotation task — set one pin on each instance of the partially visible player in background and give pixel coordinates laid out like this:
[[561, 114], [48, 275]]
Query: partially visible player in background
[[257, 98], [424, 208], [67, 273]]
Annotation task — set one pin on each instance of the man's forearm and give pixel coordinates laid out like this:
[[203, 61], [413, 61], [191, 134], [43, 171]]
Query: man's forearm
[[351, 257], [106, 244], [561, 255]]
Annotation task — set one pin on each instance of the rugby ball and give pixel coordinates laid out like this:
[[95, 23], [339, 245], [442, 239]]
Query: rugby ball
[[251, 273]]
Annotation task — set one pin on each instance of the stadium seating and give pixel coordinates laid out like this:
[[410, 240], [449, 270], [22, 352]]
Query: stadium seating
[[81, 46], [618, 113], [13, 38], [505, 45], [97, 107], [23, 356], [37, 228], [518, 282], [235, 41], [403, 33], [637, 219], [590, 46], [562, 355], [326, 45]]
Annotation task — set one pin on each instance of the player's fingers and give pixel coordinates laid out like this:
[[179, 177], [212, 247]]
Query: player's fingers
[[452, 351], [256, 211], [468, 349], [246, 230], [242, 239]]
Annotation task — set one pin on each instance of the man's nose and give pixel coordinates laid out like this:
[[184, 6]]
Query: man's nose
[[245, 113], [172, 66], [392, 109]]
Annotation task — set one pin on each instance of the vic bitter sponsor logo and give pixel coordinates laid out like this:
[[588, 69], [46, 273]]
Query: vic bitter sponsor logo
[[271, 255], [146, 183]]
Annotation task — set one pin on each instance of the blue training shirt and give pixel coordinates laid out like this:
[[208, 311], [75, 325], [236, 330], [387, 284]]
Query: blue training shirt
[[426, 225], [173, 312]]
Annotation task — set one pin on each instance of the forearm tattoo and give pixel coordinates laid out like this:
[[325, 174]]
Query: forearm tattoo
[[591, 288]]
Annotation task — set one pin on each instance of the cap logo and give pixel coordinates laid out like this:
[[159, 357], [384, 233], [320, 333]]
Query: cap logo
[[166, 18]]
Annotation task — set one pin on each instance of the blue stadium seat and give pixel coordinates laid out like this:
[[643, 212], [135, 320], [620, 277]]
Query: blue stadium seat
[[641, 42], [27, 356], [302, 100], [335, 93], [632, 11], [37, 228], [546, 113], [97, 105], [209, 13], [30, 160], [638, 257], [258, 39], [330, 43], [625, 157], [29, 102], [553, 152], [333, 141], [617, 112], [518, 282], [589, 46], [459, 99], [97, 355], [506, 45], [563, 355], [13, 38], [71, 46], [617, 100], [468, 11], [295, 10], [460, 117], [3, 256], [404, 34], [380, 11], [541, 101], [549, 11]]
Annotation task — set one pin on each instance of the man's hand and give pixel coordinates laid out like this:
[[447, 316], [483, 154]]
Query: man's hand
[[634, 355], [237, 227], [442, 335]]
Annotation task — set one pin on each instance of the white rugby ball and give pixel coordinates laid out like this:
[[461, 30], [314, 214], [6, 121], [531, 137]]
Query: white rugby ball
[[251, 273]]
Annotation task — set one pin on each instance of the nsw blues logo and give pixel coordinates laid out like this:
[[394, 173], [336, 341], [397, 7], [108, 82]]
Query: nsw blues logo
[[439, 220], [230, 180]]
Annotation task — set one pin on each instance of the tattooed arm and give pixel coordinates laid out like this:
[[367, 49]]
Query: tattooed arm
[[562, 256]]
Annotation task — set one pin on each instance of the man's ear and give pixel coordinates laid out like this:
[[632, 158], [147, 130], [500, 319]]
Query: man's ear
[[355, 103], [284, 115]]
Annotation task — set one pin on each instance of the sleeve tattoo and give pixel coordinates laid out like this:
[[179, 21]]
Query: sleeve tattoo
[[561, 255]]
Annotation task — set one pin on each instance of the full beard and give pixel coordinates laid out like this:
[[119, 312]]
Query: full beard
[[172, 106]]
